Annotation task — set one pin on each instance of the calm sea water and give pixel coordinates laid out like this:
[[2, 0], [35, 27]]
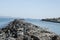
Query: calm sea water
[[4, 21], [54, 27]]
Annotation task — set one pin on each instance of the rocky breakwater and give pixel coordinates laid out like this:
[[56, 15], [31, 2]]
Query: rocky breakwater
[[56, 20], [21, 30]]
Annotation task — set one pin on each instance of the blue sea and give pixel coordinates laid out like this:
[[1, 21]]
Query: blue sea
[[54, 27], [5, 21]]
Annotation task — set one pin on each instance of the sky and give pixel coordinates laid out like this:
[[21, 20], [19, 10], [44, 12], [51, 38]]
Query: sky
[[35, 9]]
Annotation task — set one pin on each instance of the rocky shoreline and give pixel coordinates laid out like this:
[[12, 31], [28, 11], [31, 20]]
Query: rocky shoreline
[[56, 20], [21, 30]]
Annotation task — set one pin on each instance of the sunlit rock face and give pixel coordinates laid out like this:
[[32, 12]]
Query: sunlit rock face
[[21, 30]]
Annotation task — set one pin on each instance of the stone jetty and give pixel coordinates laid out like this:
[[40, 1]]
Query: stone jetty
[[20, 30], [56, 20]]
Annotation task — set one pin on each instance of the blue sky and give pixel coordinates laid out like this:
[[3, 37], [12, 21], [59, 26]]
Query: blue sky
[[30, 8]]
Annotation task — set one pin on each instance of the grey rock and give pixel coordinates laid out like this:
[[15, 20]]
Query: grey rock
[[21, 30]]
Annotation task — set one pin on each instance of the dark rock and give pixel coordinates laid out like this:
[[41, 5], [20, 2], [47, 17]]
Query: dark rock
[[21, 30], [55, 20], [34, 37]]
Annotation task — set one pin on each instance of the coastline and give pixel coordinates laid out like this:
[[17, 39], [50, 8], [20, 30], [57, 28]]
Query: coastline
[[55, 20], [26, 31]]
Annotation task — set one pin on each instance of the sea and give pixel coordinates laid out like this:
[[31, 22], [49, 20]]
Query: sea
[[54, 27]]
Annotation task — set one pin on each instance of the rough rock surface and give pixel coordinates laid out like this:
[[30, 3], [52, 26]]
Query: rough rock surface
[[21, 30]]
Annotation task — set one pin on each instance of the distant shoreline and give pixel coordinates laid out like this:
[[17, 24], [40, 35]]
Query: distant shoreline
[[55, 20]]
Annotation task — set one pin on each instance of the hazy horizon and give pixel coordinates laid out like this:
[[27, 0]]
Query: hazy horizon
[[35, 9]]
